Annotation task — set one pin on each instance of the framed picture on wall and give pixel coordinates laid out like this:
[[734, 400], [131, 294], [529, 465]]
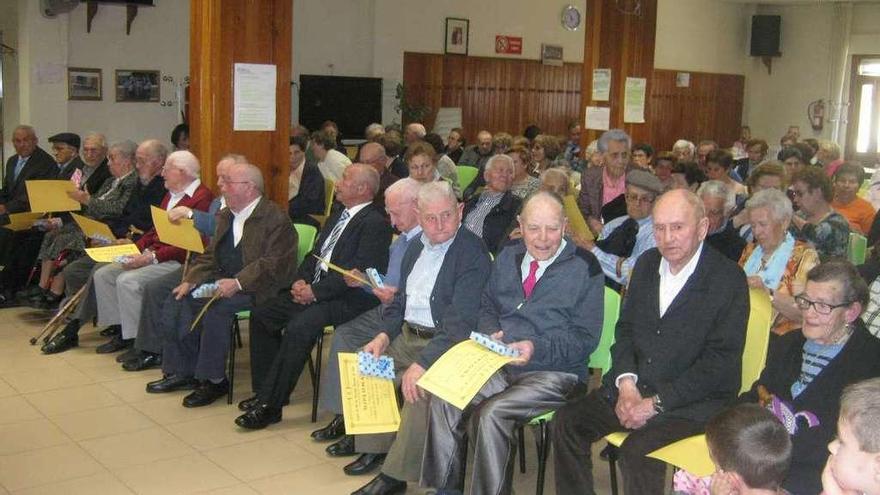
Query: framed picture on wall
[[137, 85], [84, 84], [457, 36]]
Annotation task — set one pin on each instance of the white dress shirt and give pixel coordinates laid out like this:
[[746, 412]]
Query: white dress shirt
[[420, 282], [542, 265], [333, 165], [189, 191], [238, 220]]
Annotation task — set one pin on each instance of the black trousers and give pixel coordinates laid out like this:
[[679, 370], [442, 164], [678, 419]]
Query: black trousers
[[18, 253], [586, 419], [277, 359]]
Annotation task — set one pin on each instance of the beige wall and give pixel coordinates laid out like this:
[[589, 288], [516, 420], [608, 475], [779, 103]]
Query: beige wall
[[9, 29]]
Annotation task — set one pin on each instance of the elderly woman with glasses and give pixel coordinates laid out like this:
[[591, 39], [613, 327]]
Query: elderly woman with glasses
[[807, 371], [816, 221], [776, 262]]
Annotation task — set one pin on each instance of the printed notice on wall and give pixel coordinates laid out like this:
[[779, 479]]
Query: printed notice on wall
[[598, 118], [254, 98], [601, 84], [634, 100]]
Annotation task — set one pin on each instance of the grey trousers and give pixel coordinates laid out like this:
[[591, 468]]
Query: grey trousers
[[348, 337], [76, 275], [119, 292], [155, 295], [506, 401], [404, 448]]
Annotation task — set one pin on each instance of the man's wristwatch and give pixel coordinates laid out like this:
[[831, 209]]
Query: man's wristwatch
[[658, 404]]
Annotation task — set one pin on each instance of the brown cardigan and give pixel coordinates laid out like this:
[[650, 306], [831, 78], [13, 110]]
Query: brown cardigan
[[268, 250]]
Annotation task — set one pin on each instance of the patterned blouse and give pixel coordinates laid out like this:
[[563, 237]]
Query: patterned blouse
[[830, 237]]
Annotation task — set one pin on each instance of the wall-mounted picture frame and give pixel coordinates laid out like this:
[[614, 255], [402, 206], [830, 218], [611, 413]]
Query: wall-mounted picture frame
[[457, 36], [137, 85], [84, 84]]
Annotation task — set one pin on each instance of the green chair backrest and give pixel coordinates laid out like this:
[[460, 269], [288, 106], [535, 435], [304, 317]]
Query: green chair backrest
[[306, 235], [601, 357], [466, 175], [857, 249]]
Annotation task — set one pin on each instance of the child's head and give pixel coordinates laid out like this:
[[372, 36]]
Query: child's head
[[855, 454], [749, 441]]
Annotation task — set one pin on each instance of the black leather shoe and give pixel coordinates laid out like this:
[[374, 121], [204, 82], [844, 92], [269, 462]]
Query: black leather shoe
[[366, 463], [127, 355], [332, 431], [144, 361], [171, 383], [206, 393], [342, 448], [111, 331], [248, 404], [115, 344], [382, 485], [259, 417], [61, 342]]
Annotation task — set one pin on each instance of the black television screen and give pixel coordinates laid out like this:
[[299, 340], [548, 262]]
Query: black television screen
[[352, 102]]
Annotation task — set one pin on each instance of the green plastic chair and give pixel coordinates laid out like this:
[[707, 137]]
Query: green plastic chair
[[466, 175], [306, 235], [600, 359], [857, 249]]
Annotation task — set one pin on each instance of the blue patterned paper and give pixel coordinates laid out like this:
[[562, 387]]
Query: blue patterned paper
[[383, 367], [99, 239], [123, 259], [205, 290], [493, 345]]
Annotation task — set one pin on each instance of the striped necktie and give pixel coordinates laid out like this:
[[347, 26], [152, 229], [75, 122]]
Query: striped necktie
[[330, 243]]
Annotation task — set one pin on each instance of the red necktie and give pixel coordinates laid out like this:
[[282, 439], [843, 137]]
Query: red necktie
[[531, 280]]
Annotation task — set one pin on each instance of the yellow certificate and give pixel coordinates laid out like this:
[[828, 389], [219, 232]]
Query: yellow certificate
[[49, 196], [461, 372], [182, 234], [690, 454], [108, 254], [22, 221], [576, 219], [369, 404], [93, 229]]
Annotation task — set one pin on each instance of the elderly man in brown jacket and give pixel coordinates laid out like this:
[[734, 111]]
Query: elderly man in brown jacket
[[251, 256]]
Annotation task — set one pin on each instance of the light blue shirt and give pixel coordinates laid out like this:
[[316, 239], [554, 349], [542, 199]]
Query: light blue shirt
[[420, 282], [542, 265], [644, 242]]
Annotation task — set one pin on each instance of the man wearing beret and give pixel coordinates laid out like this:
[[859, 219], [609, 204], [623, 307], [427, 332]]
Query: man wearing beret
[[65, 149], [625, 238]]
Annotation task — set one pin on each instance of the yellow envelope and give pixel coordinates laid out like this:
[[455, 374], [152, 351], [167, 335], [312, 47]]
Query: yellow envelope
[[108, 254], [461, 372], [93, 228], [22, 221], [183, 234], [690, 454], [576, 220], [369, 404], [49, 196]]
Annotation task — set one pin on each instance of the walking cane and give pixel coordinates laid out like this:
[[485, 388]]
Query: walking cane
[[54, 322]]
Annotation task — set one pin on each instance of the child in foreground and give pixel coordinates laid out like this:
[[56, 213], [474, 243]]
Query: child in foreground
[[853, 468]]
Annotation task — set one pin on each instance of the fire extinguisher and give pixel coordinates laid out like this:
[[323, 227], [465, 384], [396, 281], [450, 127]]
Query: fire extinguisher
[[816, 114]]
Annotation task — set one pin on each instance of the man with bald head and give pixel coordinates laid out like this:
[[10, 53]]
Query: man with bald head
[[676, 360], [373, 154], [284, 328], [251, 257], [544, 299]]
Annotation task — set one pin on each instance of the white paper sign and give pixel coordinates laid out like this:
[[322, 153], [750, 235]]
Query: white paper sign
[[254, 97], [601, 84], [634, 100], [598, 118]]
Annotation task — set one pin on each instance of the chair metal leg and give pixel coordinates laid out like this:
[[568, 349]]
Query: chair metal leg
[[522, 449], [316, 376], [236, 335], [542, 442], [612, 468]]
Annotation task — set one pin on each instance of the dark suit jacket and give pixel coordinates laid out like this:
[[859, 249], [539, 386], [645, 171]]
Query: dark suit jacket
[[728, 242], [455, 298], [310, 198], [268, 251], [592, 186], [40, 165], [858, 360], [398, 167], [692, 356], [498, 222], [96, 180], [200, 200], [137, 211], [363, 244], [66, 172]]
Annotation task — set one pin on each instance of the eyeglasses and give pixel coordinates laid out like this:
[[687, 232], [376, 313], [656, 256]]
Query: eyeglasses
[[635, 198], [798, 193], [822, 308]]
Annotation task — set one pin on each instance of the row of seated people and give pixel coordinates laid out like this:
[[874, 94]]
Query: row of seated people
[[673, 368]]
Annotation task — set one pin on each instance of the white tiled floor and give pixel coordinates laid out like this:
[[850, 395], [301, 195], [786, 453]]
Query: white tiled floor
[[76, 423]]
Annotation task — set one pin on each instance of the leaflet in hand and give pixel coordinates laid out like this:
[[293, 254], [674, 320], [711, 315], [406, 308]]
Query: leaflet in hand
[[493, 345], [381, 367], [205, 290]]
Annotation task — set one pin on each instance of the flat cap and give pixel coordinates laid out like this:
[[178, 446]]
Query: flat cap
[[66, 138], [645, 180]]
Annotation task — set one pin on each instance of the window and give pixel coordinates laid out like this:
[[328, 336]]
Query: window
[[863, 133]]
